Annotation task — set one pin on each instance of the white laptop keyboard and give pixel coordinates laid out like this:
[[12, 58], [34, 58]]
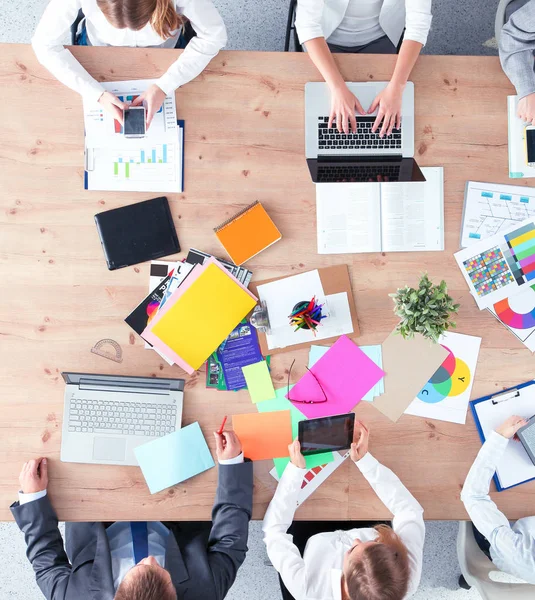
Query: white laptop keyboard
[[126, 418]]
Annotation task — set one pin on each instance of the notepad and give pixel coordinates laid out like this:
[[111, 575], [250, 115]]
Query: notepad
[[258, 381], [264, 435], [247, 233], [173, 458], [199, 315]]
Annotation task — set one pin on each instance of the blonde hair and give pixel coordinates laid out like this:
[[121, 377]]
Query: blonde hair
[[381, 572], [135, 14]]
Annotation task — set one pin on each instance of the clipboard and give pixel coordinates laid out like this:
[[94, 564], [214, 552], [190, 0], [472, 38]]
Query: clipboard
[[334, 281], [505, 396]]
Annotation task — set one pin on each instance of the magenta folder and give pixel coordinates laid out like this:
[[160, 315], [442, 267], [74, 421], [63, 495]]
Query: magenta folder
[[345, 373]]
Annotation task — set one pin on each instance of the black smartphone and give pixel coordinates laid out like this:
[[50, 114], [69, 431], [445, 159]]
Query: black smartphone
[[134, 121], [326, 433]]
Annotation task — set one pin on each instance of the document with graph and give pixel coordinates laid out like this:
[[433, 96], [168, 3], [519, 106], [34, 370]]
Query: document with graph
[[113, 162], [491, 208]]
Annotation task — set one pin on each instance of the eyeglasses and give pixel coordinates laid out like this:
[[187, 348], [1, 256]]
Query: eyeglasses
[[306, 401]]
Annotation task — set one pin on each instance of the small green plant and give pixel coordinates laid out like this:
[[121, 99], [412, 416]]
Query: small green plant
[[426, 310]]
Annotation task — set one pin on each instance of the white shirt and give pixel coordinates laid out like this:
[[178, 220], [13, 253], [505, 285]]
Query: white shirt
[[60, 14], [320, 18], [360, 24], [512, 548], [317, 575]]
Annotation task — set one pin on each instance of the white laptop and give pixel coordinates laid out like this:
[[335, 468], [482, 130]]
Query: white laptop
[[361, 156], [107, 416]]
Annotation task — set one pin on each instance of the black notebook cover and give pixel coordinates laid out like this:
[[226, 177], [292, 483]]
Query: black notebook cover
[[136, 233]]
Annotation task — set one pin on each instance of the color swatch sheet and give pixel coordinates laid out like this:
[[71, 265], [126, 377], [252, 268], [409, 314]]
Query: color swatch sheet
[[281, 403], [153, 163], [408, 365], [346, 375], [447, 393], [200, 314], [259, 382], [490, 208], [373, 352], [173, 458], [247, 234], [264, 435], [517, 314], [499, 267]]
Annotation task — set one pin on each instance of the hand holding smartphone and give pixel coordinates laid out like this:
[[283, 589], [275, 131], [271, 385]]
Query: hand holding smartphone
[[135, 119]]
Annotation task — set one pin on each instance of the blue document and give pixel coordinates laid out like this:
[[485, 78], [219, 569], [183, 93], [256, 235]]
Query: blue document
[[173, 458]]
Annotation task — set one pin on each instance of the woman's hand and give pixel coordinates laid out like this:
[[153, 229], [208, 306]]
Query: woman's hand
[[153, 99], [388, 106], [509, 428], [113, 105], [361, 437], [526, 109], [344, 104], [296, 457]]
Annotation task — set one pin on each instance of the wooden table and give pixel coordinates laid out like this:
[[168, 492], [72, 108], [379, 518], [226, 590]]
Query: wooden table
[[244, 142]]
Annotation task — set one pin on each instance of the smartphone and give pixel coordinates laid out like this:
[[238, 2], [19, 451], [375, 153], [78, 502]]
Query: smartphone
[[326, 433], [134, 119], [530, 145]]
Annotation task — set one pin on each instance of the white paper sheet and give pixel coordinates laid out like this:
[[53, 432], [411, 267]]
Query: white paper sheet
[[522, 303], [445, 397], [515, 465]]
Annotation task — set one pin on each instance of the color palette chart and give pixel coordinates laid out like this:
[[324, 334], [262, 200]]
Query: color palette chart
[[488, 271], [520, 253], [517, 313], [451, 379]]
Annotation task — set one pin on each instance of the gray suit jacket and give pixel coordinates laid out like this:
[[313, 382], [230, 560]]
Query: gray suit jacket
[[199, 570]]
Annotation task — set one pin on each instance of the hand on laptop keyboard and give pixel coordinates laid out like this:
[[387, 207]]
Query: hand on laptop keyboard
[[344, 106], [388, 106]]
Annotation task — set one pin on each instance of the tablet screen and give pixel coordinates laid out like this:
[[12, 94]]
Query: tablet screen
[[327, 433]]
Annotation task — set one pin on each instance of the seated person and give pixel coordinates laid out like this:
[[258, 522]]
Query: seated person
[[363, 563], [139, 561], [517, 44], [511, 549], [369, 26], [130, 23]]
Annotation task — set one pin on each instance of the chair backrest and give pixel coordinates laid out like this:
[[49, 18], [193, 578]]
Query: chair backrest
[[476, 569]]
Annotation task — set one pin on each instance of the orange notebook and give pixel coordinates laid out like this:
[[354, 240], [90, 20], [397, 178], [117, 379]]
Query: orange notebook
[[247, 233]]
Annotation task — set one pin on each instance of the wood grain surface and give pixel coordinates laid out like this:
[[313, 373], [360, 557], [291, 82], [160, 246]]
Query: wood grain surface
[[244, 141]]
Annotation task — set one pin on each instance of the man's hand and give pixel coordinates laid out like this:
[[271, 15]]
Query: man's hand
[[228, 445], [296, 457], [34, 476], [388, 106], [153, 99], [361, 437], [509, 428], [526, 109]]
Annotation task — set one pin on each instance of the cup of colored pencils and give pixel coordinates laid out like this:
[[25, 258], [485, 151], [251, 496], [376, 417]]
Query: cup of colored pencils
[[307, 315]]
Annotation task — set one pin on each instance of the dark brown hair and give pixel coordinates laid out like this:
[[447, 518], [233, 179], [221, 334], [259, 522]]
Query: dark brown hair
[[148, 584], [382, 571], [135, 14]]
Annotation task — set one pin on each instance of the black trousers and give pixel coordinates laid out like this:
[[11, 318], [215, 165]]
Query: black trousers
[[303, 530], [482, 542]]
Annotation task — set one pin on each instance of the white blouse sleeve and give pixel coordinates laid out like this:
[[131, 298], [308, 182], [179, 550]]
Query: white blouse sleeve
[[210, 39], [408, 521], [48, 46], [417, 20], [308, 19]]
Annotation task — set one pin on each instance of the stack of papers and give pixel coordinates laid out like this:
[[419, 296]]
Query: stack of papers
[[153, 163]]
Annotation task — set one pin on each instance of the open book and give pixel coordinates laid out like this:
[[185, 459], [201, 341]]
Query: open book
[[381, 217]]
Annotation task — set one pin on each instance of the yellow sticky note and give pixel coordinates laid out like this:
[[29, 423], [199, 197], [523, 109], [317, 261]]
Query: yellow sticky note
[[259, 381], [204, 316]]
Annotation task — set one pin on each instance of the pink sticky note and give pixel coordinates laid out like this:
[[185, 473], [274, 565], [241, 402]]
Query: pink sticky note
[[345, 373]]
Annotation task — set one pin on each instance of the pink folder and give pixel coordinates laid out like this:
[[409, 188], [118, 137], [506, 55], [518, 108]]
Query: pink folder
[[345, 373], [188, 282]]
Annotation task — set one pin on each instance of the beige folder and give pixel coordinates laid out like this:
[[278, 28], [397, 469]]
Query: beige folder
[[408, 366]]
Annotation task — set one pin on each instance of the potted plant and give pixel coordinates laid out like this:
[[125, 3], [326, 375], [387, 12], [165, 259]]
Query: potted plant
[[427, 309]]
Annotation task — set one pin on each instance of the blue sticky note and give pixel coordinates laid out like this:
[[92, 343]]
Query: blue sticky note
[[173, 458]]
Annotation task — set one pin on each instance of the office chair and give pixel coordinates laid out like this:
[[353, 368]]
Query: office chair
[[290, 27], [503, 12], [187, 34], [476, 569]]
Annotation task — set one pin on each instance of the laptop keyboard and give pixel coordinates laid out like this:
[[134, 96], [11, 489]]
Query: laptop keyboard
[[363, 139], [125, 418], [355, 173]]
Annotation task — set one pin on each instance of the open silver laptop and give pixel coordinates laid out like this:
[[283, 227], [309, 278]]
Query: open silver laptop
[[361, 156], [107, 416]]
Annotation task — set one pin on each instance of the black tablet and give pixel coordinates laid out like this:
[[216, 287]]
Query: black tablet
[[326, 433], [137, 232]]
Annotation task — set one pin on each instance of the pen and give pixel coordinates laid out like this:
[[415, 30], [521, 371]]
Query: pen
[[220, 431]]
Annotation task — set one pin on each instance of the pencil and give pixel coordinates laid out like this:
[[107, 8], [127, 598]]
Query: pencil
[[220, 431]]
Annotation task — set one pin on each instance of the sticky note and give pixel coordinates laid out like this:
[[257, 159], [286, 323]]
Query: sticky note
[[280, 403], [264, 435], [258, 381], [173, 458]]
